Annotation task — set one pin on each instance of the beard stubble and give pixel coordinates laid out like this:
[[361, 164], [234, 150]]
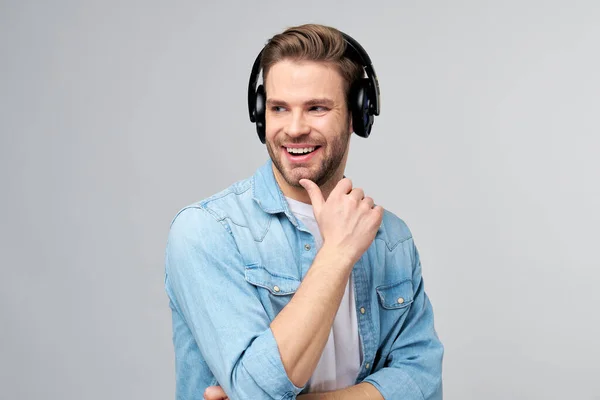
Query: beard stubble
[[328, 166]]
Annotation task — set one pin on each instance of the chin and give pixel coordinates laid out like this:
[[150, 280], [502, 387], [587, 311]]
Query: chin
[[318, 177], [293, 175]]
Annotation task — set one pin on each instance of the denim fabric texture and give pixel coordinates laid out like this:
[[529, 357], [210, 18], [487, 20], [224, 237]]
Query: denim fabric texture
[[235, 259]]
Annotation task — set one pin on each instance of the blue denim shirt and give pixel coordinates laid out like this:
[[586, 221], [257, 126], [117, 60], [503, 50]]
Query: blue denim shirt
[[235, 259]]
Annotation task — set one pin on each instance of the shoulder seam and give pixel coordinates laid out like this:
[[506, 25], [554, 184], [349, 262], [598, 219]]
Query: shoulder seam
[[393, 246], [224, 193], [208, 211]]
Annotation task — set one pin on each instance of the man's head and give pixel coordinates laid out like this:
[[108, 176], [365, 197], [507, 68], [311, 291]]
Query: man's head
[[312, 42], [307, 81]]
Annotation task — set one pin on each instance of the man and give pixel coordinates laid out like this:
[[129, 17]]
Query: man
[[293, 282]]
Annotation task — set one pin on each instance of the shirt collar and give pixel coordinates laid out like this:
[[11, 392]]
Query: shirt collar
[[267, 193]]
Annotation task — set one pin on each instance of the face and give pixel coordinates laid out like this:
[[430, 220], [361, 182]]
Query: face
[[307, 122]]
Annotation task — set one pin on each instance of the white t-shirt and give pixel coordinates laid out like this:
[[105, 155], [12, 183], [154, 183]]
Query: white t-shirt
[[342, 356]]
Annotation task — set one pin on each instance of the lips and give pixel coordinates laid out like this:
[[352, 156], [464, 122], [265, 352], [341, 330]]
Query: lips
[[300, 150], [300, 154]]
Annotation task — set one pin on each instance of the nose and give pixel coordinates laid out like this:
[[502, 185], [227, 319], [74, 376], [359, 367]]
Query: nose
[[297, 125]]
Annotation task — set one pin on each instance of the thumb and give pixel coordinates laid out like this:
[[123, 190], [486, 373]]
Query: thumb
[[316, 197]]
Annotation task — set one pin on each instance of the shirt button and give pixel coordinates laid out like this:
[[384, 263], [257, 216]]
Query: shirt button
[[400, 300], [276, 288], [307, 247], [367, 366], [362, 310]]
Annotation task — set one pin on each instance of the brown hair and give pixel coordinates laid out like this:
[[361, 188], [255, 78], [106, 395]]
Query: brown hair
[[312, 42]]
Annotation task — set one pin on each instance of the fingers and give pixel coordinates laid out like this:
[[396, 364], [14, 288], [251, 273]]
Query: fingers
[[316, 197], [379, 211], [369, 201], [357, 193], [343, 187]]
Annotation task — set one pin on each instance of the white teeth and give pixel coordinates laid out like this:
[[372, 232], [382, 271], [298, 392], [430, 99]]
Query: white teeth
[[300, 150]]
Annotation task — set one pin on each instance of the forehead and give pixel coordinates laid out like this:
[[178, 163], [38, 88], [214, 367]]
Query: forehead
[[291, 81]]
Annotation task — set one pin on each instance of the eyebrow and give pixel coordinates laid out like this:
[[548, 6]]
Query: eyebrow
[[313, 102]]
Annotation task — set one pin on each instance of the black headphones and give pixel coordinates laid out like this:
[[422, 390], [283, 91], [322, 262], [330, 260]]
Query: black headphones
[[363, 100]]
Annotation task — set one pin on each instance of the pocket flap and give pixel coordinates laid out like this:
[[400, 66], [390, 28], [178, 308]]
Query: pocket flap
[[396, 295], [277, 284]]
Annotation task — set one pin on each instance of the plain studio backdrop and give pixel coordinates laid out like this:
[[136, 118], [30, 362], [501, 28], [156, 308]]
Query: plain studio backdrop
[[114, 115]]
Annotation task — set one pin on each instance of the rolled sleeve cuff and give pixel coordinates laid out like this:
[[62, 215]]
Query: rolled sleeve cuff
[[393, 383], [264, 365]]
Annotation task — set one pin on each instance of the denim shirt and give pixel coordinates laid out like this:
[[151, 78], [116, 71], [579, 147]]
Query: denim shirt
[[235, 259]]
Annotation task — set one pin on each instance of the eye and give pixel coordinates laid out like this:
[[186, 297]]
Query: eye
[[319, 109], [277, 109]]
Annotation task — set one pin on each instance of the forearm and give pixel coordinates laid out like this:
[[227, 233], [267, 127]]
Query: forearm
[[302, 328], [362, 391]]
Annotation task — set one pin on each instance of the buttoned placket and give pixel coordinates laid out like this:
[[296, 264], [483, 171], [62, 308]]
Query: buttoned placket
[[307, 250], [361, 294], [366, 329]]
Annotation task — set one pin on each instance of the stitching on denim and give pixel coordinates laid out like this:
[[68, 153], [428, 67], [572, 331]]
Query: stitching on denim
[[257, 266], [268, 210], [219, 220], [217, 196], [392, 305], [393, 246], [269, 285], [227, 192], [242, 184], [263, 234], [267, 227]]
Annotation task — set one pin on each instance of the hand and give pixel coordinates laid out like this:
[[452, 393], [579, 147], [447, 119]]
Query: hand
[[215, 393], [348, 220]]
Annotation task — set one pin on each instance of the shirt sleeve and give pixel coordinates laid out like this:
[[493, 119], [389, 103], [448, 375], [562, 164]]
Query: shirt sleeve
[[413, 369], [205, 281]]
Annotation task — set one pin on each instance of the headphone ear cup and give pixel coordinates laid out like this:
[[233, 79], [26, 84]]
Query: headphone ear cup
[[259, 112], [362, 120]]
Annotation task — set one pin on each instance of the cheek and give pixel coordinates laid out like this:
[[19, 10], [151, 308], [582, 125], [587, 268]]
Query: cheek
[[323, 124], [270, 132], [329, 125], [272, 125]]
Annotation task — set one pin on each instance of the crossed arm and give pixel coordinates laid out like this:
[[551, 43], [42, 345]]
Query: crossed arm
[[362, 391]]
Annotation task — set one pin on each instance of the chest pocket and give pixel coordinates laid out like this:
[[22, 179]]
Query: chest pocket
[[397, 296], [275, 289]]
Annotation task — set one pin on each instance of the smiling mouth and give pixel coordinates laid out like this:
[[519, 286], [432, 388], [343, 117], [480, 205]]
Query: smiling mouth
[[301, 151]]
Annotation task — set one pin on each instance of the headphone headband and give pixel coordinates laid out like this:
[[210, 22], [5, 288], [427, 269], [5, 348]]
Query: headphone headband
[[352, 46]]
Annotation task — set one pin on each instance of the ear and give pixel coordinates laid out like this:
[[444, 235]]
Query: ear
[[351, 130]]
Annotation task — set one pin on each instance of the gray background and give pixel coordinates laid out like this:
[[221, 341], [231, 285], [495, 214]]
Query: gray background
[[117, 114]]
